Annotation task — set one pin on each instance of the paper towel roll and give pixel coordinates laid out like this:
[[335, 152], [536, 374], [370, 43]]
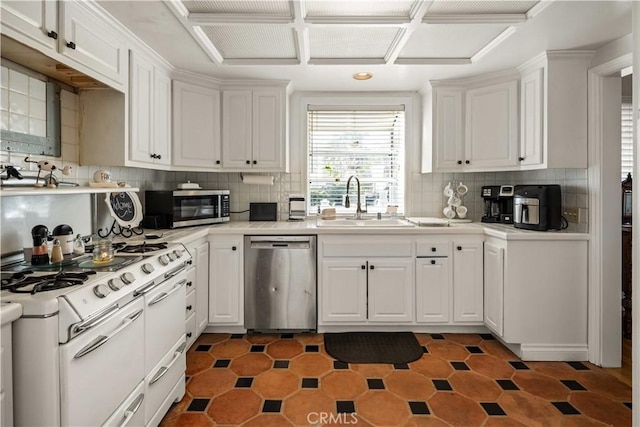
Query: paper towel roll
[[257, 179]]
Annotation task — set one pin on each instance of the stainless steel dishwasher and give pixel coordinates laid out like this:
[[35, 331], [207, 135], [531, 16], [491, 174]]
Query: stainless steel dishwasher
[[280, 283]]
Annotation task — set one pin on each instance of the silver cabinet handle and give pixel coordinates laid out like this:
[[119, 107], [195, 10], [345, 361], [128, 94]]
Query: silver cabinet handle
[[131, 410], [164, 369], [90, 323], [102, 339], [164, 295]]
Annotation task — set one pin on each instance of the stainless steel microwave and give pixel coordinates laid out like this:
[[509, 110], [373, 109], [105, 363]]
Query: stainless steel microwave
[[184, 208]]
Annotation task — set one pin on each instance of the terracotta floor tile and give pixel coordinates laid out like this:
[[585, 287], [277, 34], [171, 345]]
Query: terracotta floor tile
[[426, 421], [530, 410], [457, 409], [268, 420], [188, 419], [475, 386], [235, 407], [382, 409], [178, 408], [372, 370], [198, 362], [581, 421], [251, 364], [495, 348], [262, 338], [210, 339], [309, 338], [410, 385], [601, 382], [503, 422], [423, 339], [306, 406], [464, 339], [230, 348], [541, 385], [554, 369], [432, 366], [285, 349], [597, 406], [448, 350], [276, 383], [311, 365], [343, 385], [490, 366], [211, 383]]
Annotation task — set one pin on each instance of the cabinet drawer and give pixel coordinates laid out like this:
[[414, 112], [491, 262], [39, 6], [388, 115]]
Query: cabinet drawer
[[350, 246], [429, 249], [190, 330], [190, 306]]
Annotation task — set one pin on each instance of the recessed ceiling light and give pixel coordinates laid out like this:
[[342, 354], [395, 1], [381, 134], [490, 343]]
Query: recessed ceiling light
[[362, 76]]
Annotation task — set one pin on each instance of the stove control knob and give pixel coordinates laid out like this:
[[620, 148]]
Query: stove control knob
[[147, 268], [101, 291], [164, 260], [177, 253], [127, 278], [171, 256], [116, 284]]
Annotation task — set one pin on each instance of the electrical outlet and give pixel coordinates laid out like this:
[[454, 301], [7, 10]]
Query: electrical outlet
[[572, 215]]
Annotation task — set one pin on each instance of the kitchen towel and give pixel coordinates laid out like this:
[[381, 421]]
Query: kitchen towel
[[257, 179]]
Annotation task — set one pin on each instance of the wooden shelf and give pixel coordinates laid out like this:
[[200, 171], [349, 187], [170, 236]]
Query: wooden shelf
[[32, 191]]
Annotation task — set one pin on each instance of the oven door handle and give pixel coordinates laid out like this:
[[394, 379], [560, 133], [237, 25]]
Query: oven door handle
[[102, 339], [131, 410], [164, 369], [175, 272], [144, 289], [95, 320], [165, 295]]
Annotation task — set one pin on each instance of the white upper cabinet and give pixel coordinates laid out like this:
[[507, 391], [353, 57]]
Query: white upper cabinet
[[150, 113], [254, 129], [76, 33], [196, 126], [471, 126], [553, 110]]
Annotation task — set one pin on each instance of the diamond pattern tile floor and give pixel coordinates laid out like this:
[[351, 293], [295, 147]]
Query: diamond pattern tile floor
[[461, 379]]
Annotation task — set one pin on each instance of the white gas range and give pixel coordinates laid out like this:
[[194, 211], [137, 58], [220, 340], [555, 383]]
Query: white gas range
[[104, 347]]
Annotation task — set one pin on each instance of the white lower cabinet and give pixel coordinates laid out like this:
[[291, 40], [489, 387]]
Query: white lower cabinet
[[202, 287], [226, 280], [494, 288], [468, 297], [433, 290], [344, 290], [390, 290]]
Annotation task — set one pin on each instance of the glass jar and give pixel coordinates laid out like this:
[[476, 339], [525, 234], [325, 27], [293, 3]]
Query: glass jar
[[103, 252]]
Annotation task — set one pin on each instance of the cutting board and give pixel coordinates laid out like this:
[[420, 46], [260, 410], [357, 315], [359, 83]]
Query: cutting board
[[428, 221]]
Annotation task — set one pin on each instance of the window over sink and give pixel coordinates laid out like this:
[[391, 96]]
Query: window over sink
[[367, 142]]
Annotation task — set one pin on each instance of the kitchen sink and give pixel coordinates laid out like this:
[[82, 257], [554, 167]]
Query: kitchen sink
[[365, 223]]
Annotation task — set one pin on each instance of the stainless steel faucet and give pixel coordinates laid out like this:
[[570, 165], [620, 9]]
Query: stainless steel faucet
[[347, 204]]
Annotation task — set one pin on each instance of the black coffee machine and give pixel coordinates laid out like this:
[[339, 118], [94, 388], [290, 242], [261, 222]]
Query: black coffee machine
[[498, 204]]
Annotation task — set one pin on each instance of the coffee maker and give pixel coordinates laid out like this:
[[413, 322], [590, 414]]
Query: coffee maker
[[498, 204], [538, 207]]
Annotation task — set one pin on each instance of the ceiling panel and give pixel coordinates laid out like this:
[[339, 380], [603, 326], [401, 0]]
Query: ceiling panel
[[253, 41], [393, 8], [480, 7], [351, 42], [450, 41], [249, 7]]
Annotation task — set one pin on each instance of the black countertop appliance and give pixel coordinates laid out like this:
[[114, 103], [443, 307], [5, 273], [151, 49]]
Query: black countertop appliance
[[537, 207], [498, 204]]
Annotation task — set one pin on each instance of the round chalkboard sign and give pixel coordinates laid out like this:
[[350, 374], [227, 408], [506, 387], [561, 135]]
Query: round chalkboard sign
[[125, 208]]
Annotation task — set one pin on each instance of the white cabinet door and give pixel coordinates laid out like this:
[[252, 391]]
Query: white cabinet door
[[531, 118], [491, 126], [467, 281], [226, 280], [202, 287], [90, 41], [448, 130], [237, 108], [268, 130], [196, 126], [142, 108], [494, 288], [433, 289], [34, 22], [161, 117], [390, 289], [344, 290]]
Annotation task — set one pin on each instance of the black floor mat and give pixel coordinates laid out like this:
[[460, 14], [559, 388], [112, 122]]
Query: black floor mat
[[373, 347]]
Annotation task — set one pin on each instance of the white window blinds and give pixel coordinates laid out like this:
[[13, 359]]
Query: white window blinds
[[627, 139], [368, 143]]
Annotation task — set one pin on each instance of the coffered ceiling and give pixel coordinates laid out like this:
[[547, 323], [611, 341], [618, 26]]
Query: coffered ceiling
[[319, 44]]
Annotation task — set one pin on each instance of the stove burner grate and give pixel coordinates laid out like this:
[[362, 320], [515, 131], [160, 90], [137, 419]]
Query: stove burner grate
[[48, 282], [142, 248]]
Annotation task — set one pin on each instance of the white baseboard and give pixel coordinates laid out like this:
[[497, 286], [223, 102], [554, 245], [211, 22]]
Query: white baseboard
[[551, 352], [427, 329]]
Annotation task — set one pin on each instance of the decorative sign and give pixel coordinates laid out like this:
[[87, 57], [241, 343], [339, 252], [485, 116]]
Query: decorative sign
[[125, 208]]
